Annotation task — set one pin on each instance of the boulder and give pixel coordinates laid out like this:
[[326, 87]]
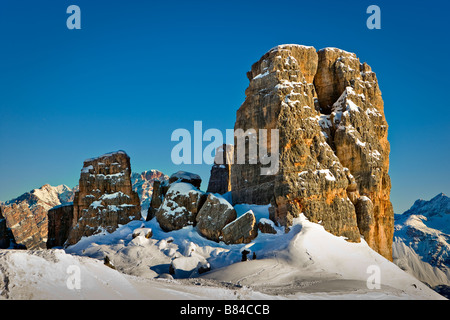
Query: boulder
[[188, 177], [105, 198], [185, 267], [180, 206], [143, 232], [214, 215], [266, 226], [242, 230]]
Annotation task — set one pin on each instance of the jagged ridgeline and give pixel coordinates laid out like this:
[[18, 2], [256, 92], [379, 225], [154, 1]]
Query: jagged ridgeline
[[334, 152]]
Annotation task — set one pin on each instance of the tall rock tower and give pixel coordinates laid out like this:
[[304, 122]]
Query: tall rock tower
[[105, 198], [333, 147]]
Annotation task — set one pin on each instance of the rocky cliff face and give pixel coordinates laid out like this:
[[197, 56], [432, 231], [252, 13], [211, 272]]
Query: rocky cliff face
[[105, 198], [22, 223], [333, 148], [219, 181], [26, 215], [60, 220], [4, 232], [35, 204]]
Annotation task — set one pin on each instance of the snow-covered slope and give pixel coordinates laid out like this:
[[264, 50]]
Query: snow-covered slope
[[422, 240], [52, 274], [317, 263], [306, 263]]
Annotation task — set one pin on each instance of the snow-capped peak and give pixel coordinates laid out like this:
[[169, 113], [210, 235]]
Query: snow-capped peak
[[425, 231], [46, 196], [439, 205]]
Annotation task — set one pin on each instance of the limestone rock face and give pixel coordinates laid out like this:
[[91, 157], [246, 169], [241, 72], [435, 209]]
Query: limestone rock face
[[214, 215], [22, 223], [59, 225], [333, 146], [359, 136], [242, 230], [219, 181], [266, 226], [4, 232], [180, 207], [36, 204], [105, 198], [159, 192]]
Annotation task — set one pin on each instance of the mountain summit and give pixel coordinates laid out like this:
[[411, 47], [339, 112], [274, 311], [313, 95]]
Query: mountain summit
[[334, 152], [26, 215], [422, 241]]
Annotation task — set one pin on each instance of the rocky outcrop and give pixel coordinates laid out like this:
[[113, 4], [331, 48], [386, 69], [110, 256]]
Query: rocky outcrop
[[59, 225], [333, 146], [36, 204], [242, 230], [266, 226], [213, 216], [142, 232], [181, 204], [219, 181], [22, 223], [159, 192], [105, 198], [188, 177], [359, 136], [4, 232]]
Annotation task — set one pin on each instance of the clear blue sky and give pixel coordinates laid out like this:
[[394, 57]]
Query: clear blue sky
[[138, 70]]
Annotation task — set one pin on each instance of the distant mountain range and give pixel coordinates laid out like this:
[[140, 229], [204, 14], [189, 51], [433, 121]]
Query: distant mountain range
[[422, 242], [142, 183], [47, 196]]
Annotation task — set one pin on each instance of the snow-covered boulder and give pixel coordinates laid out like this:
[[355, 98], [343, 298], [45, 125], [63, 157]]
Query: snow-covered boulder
[[180, 206], [242, 230], [184, 267], [144, 232], [214, 215], [266, 226]]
